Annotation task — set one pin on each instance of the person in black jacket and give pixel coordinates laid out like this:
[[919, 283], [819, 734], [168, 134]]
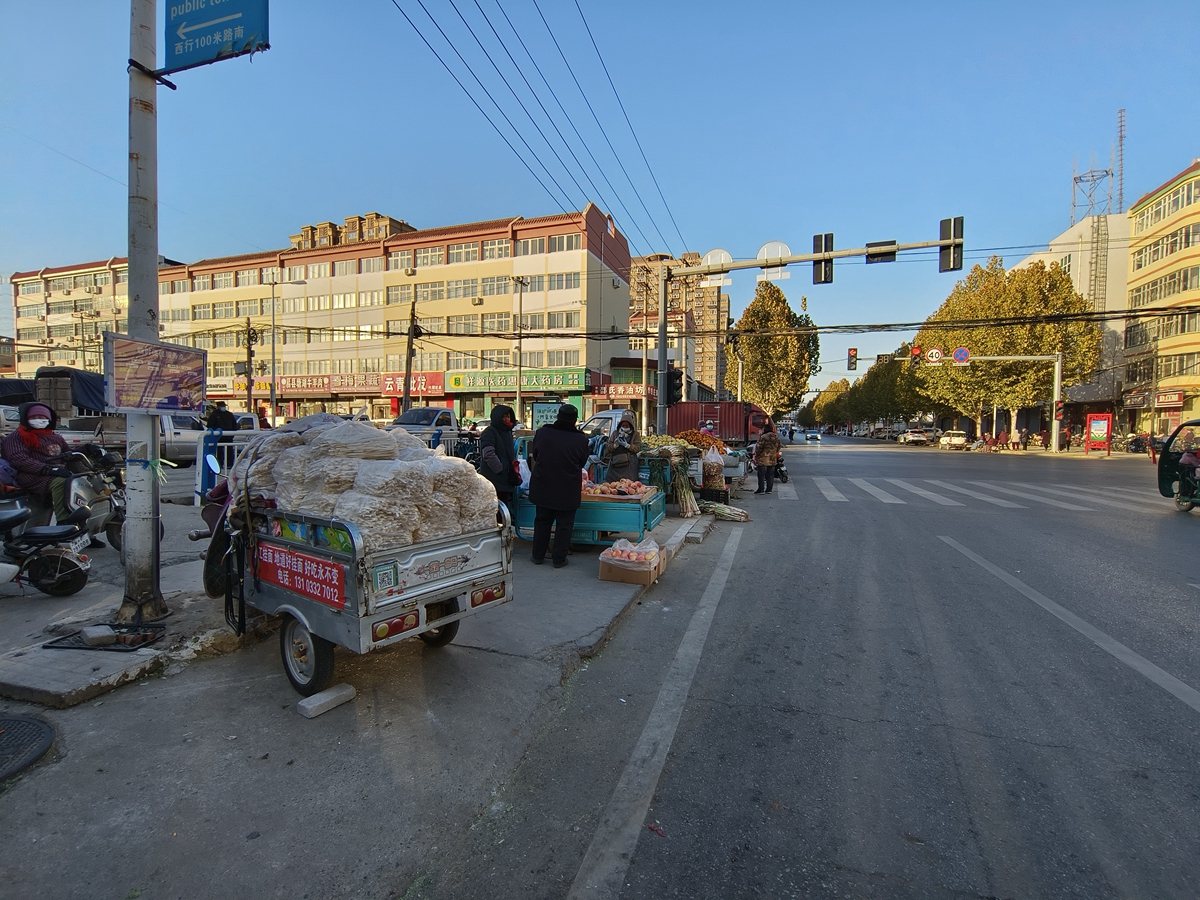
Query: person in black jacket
[[558, 455], [221, 418], [499, 456]]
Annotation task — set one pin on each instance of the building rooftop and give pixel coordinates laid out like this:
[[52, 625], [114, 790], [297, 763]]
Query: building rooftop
[[1193, 168]]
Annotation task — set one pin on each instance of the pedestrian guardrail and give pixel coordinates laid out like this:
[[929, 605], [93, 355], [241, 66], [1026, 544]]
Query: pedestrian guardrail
[[226, 446]]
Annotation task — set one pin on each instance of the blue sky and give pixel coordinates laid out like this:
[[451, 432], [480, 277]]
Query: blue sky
[[762, 121]]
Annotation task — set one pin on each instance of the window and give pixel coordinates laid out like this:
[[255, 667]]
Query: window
[[226, 339], [344, 334], [250, 307], [318, 302], [532, 359], [295, 336], [530, 246], [399, 293], [495, 285], [1180, 239], [1065, 264], [202, 341], [30, 334], [1161, 288], [60, 284], [318, 270], [62, 330], [202, 282], [59, 306], [564, 281], [320, 335], [26, 311], [459, 253], [499, 249], [562, 359], [430, 256], [372, 264], [562, 319], [533, 322], [317, 367], [295, 273], [456, 361], [560, 242], [345, 301], [400, 259], [164, 287], [1179, 364], [202, 311], [431, 290], [495, 323], [535, 283], [224, 310], [370, 298], [295, 304], [102, 278], [343, 365], [222, 280], [220, 369], [292, 367], [462, 287], [179, 315], [30, 287], [433, 325], [495, 359], [462, 324], [123, 277], [1184, 195], [345, 267], [64, 354], [270, 274], [370, 364], [180, 286]]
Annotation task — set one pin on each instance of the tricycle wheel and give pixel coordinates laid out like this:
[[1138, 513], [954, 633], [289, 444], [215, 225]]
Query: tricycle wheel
[[440, 637], [307, 658], [1183, 505]]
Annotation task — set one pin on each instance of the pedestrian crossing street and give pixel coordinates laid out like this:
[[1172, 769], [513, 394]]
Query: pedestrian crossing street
[[971, 493]]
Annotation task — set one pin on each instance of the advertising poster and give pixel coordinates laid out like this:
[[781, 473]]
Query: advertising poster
[[147, 377], [1099, 432]]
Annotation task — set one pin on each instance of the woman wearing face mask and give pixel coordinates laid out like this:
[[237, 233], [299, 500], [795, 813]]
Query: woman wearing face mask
[[621, 450], [499, 455], [38, 455]]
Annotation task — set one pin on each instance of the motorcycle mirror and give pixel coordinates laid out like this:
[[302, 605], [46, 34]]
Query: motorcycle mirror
[[99, 432], [213, 465]]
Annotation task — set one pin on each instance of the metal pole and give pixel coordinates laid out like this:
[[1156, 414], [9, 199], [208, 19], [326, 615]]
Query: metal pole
[[664, 275], [1054, 423], [645, 366], [274, 370], [739, 356], [143, 598], [249, 368], [406, 401], [520, 280]]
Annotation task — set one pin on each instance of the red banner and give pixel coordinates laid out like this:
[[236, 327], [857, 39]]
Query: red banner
[[424, 384], [621, 391], [310, 576]]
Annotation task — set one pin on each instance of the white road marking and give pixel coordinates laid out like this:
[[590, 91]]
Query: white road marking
[[1196, 586], [1034, 497], [602, 872], [878, 493], [1135, 661], [786, 491], [921, 492], [1152, 501], [1119, 504], [995, 501], [1140, 495], [825, 486]]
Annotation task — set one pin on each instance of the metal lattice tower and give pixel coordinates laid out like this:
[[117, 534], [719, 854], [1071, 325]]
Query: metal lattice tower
[[1098, 264], [1091, 196], [1120, 161]]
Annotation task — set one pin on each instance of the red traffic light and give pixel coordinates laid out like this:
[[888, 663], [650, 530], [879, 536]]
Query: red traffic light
[[916, 351]]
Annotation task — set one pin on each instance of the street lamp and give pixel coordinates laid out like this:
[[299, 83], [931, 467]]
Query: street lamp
[[274, 341]]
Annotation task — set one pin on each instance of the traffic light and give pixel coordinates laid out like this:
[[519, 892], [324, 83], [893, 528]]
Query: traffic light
[[823, 268], [852, 359], [915, 359], [950, 259], [674, 386], [1058, 409]]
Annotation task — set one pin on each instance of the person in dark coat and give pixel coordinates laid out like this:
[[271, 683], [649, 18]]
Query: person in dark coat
[[499, 456], [621, 450], [557, 457], [39, 455], [221, 418]]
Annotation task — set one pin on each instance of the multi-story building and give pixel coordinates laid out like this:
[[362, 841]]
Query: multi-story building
[[546, 287], [1162, 354], [707, 309]]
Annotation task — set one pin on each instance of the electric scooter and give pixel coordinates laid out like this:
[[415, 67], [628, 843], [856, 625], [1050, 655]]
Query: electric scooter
[[50, 557]]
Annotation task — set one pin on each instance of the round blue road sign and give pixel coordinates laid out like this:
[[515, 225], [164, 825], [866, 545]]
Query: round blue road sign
[[962, 354]]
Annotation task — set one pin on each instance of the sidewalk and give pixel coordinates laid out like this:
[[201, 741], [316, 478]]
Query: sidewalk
[[581, 615]]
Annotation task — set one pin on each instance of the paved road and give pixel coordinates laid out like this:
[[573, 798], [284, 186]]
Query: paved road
[[926, 674]]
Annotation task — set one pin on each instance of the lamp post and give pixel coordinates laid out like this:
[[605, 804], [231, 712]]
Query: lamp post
[[520, 281], [274, 341]]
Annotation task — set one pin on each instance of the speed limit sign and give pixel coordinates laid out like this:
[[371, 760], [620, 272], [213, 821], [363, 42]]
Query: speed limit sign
[[933, 354]]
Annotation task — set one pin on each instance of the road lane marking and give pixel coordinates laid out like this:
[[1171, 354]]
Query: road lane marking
[[601, 875], [825, 486], [1108, 644], [1119, 504], [995, 501], [1034, 497], [1140, 495], [921, 492], [1155, 501], [878, 493], [786, 491]]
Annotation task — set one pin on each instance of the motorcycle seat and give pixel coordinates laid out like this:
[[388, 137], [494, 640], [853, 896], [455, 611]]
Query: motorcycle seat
[[11, 517], [50, 532]]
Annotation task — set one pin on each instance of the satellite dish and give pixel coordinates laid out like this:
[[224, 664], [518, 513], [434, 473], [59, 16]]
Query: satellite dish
[[716, 258], [774, 250]]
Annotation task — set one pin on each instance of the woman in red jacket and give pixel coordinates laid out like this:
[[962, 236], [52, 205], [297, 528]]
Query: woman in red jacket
[[38, 455]]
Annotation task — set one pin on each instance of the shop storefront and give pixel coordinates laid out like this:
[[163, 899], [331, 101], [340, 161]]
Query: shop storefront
[[1168, 411], [475, 393], [622, 396]]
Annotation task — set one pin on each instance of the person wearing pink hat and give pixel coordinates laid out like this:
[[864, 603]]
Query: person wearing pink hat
[[38, 455]]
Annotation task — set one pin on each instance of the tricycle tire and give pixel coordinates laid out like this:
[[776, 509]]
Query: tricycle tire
[[307, 658], [440, 637], [1183, 505]]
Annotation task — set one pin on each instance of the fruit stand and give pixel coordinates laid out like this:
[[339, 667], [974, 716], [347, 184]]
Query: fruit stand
[[601, 519]]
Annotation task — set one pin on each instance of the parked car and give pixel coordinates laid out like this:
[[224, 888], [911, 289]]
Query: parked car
[[953, 440], [913, 436], [812, 436]]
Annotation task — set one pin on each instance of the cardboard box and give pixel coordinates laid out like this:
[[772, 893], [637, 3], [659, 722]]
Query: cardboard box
[[610, 572]]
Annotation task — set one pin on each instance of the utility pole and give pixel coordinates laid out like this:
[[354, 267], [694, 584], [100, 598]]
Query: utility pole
[[520, 282], [143, 598], [406, 401], [664, 275], [251, 340]]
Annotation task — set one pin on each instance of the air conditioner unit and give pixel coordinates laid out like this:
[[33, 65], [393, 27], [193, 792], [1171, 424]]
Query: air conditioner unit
[[477, 301], [616, 282], [41, 318], [410, 271], [67, 291]]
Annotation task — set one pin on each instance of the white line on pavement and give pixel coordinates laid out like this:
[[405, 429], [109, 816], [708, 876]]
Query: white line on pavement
[[786, 491], [878, 493], [825, 486], [1119, 504], [1154, 501], [921, 492], [1135, 661], [995, 501], [602, 872], [1034, 497]]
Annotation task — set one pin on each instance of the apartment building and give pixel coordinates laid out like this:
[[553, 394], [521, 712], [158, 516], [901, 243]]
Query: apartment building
[[1162, 354], [547, 288]]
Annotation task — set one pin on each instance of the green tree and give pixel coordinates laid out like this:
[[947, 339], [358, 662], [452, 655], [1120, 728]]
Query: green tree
[[829, 406], [776, 367]]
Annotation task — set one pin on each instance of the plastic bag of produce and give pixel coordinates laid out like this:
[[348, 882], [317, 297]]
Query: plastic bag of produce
[[325, 480], [526, 474], [289, 472], [439, 518], [355, 439], [406, 441], [302, 426], [382, 524], [477, 507], [714, 470], [626, 555]]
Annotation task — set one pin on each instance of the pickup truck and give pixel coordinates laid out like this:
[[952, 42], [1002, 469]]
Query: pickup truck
[[435, 425]]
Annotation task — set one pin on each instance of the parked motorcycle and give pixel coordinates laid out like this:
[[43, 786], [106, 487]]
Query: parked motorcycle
[[49, 557], [781, 472], [99, 485]]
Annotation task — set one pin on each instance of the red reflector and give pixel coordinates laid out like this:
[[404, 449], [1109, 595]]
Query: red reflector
[[487, 594]]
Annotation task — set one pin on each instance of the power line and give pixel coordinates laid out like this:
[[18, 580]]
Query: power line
[[630, 124]]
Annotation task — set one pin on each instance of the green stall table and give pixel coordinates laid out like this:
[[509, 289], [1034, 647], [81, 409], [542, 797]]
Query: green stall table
[[598, 517]]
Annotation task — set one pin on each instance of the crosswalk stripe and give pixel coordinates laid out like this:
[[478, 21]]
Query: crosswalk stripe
[[995, 501], [786, 491], [1034, 497], [825, 486], [921, 492], [1137, 494], [1154, 500], [1090, 498], [878, 493]]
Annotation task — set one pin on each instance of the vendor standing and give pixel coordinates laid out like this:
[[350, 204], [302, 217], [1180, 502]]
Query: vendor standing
[[621, 450], [558, 455], [39, 456], [498, 454]]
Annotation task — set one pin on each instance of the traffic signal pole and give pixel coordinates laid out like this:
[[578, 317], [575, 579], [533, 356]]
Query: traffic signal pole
[[664, 275]]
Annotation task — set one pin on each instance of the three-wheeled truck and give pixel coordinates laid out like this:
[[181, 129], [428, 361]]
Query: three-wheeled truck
[[318, 575], [1177, 475]]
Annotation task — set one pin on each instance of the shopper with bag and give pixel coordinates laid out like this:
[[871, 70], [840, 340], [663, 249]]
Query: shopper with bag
[[621, 450], [499, 465], [558, 455], [767, 451]]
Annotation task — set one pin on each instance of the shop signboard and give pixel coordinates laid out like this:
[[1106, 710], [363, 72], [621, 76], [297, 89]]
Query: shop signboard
[[222, 387], [564, 381], [1098, 435], [544, 414], [1168, 399], [423, 384], [1137, 401], [625, 391], [304, 385], [261, 385]]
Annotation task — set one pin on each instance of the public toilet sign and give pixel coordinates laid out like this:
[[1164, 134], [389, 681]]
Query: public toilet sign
[[199, 32]]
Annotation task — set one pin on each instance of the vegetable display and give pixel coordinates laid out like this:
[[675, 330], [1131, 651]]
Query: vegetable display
[[622, 488], [655, 441], [722, 511], [704, 441]]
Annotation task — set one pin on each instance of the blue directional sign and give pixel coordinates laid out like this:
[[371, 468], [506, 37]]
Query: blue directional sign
[[199, 32]]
